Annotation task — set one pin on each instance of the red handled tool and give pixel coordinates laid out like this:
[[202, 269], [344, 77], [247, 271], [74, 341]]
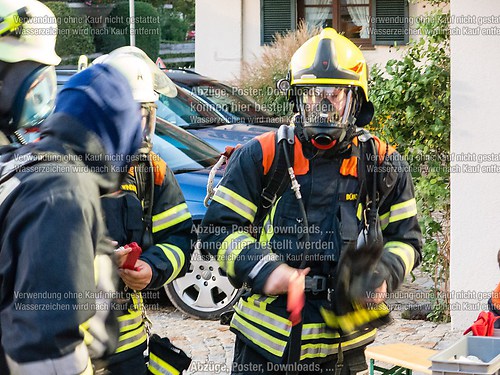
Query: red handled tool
[[132, 257]]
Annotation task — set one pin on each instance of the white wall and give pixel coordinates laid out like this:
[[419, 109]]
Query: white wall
[[227, 33], [221, 48], [475, 131], [219, 37], [251, 30]]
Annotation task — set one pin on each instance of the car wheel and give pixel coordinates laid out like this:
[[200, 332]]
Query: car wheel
[[205, 291]]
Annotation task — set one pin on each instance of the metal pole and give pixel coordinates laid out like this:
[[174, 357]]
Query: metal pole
[[132, 22]]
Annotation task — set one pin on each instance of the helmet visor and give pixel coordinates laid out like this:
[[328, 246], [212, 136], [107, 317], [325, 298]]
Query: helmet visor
[[39, 100], [327, 106]]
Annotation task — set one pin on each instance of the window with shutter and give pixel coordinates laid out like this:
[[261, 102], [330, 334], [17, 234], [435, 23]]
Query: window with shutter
[[390, 22], [277, 16], [365, 22]]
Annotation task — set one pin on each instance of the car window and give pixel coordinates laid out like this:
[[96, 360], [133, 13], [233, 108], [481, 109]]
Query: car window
[[181, 150], [184, 110], [231, 100]]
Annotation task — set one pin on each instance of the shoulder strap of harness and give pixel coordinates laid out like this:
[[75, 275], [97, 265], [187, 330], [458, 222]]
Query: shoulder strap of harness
[[145, 181], [277, 179], [373, 153]]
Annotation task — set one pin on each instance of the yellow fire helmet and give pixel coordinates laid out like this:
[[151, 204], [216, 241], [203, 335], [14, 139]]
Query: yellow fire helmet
[[329, 59], [328, 84]]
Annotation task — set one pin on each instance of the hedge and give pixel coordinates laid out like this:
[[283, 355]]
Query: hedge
[[147, 27], [74, 35]]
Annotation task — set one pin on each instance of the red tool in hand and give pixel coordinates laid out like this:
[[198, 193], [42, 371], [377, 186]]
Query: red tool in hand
[[132, 257], [296, 297]]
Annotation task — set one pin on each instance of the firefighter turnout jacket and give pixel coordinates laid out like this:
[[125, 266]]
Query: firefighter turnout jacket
[[57, 276], [166, 245], [249, 252]]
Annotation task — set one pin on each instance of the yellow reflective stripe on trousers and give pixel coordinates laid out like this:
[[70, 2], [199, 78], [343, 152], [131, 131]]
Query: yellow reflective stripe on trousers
[[321, 350], [354, 319], [398, 212], [176, 257], [158, 366], [258, 337], [130, 320], [404, 251], [230, 248], [313, 331], [264, 318], [235, 202], [171, 217], [260, 300], [132, 339]]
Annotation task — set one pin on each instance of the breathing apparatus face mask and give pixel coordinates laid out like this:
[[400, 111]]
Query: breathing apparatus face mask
[[35, 99], [327, 114]]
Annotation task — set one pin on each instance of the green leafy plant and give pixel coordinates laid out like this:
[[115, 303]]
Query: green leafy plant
[[74, 35], [412, 100], [173, 25]]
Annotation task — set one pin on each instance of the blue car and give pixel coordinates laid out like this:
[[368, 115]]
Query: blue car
[[190, 159], [200, 118], [197, 116], [232, 103], [205, 291]]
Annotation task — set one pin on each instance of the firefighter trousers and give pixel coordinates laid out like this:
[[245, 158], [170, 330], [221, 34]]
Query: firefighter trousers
[[248, 362]]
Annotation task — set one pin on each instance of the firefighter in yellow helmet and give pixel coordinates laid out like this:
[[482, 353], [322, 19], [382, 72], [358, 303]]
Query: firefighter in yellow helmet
[[28, 31], [348, 224]]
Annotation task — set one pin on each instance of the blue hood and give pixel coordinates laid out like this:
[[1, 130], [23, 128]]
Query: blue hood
[[101, 100]]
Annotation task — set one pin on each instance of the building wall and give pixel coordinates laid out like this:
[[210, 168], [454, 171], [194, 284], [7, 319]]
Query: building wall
[[228, 34], [219, 38], [475, 202]]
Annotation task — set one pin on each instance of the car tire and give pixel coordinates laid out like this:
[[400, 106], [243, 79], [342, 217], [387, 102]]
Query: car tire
[[205, 291]]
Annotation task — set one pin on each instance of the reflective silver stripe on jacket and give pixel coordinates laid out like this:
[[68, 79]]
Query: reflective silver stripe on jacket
[[261, 263], [76, 362], [399, 211], [8, 187], [171, 217], [235, 202]]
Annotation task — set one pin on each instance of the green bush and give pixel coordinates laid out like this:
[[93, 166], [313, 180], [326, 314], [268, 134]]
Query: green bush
[[108, 42], [74, 33], [412, 100], [173, 26], [147, 28]]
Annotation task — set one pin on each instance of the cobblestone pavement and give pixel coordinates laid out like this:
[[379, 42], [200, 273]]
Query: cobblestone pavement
[[210, 345]]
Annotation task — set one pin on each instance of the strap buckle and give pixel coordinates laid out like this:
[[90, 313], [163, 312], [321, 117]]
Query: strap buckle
[[268, 200], [315, 284]]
